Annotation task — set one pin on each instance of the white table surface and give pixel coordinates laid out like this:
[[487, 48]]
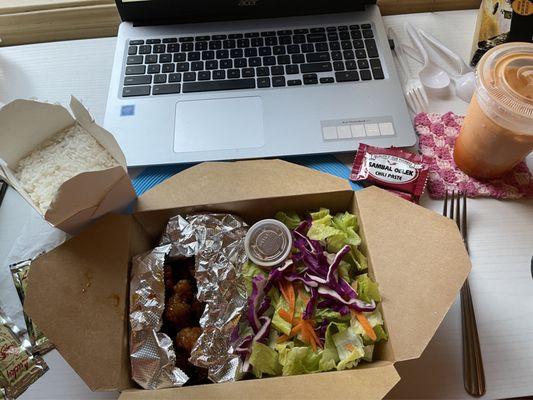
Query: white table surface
[[501, 233]]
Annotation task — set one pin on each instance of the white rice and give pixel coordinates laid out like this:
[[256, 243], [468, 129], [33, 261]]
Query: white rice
[[65, 155]]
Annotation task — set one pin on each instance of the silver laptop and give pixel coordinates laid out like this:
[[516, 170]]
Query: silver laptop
[[233, 79]]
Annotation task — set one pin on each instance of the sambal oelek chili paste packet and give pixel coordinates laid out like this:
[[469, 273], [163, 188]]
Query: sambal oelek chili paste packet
[[396, 170]]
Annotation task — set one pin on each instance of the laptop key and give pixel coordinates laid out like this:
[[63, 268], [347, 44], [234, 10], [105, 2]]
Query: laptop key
[[333, 37], [371, 48], [283, 60], [132, 50], [179, 57], [145, 49], [166, 89], [285, 40], [135, 70], [265, 51], [285, 32], [344, 36], [348, 54], [257, 42], [354, 26], [189, 76], [308, 48], [293, 49], [165, 58], [277, 70], [220, 74], [327, 79], [173, 48], [279, 50], [343, 28], [374, 63], [254, 61], [367, 33], [322, 46], [358, 44], [234, 73], [153, 41], [248, 72], [159, 48], [202, 38], [170, 40], [182, 66], [200, 46], [262, 71], [365, 26], [336, 55], [219, 37], [271, 41], [278, 81], [310, 79], [136, 42], [301, 31], [334, 46], [215, 45], [338, 66], [346, 45], [292, 69], [269, 33], [211, 64], [236, 53], [137, 80], [250, 52], [186, 39], [347, 76], [130, 91], [204, 75], [316, 67], [197, 66], [298, 58], [263, 82], [271, 60], [378, 73], [316, 37], [366, 75], [208, 55], [351, 65], [229, 44], [187, 46], [232, 84], [316, 57], [154, 69], [356, 34], [220, 54], [363, 64], [225, 64], [167, 68], [131, 60], [175, 77], [193, 56], [294, 82], [236, 36], [251, 35], [160, 78], [360, 53], [298, 39], [243, 43]]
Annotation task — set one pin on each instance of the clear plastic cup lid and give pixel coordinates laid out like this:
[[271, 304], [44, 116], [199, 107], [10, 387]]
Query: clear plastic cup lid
[[268, 242], [505, 83]]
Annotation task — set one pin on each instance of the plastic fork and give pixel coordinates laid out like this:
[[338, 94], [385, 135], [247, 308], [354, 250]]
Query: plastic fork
[[473, 373], [414, 92]]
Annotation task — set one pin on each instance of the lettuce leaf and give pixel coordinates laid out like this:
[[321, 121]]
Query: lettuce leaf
[[330, 356], [350, 348], [300, 360], [279, 323], [264, 360], [381, 335], [249, 271], [321, 213], [289, 218], [369, 352], [367, 289], [330, 315]]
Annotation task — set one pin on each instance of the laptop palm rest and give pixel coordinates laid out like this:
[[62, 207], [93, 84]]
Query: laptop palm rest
[[218, 124]]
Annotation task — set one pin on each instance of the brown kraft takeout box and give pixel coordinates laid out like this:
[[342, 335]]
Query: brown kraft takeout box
[[86, 196], [78, 293]]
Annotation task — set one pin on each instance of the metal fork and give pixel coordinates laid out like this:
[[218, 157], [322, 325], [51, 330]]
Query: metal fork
[[473, 373], [414, 92]]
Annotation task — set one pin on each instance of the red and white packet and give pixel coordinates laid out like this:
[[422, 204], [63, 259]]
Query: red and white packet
[[402, 173]]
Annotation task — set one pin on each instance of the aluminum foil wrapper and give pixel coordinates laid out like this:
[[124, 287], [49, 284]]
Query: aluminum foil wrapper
[[217, 243], [151, 351]]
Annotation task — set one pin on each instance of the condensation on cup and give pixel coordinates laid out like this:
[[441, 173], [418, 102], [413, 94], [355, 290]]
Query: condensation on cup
[[497, 131]]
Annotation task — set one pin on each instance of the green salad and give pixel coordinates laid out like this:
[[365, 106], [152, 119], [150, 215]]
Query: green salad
[[317, 311]]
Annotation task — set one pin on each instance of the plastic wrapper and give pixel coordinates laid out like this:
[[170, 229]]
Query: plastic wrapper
[[19, 368], [216, 241], [40, 343]]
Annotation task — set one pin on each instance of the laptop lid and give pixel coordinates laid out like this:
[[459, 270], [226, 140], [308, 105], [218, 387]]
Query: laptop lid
[[154, 12]]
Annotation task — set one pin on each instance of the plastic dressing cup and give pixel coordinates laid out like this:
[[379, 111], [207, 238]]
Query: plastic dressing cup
[[268, 242], [497, 131]]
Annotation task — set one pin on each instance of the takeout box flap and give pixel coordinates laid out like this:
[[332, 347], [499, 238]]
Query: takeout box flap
[[224, 182], [419, 261], [369, 382], [77, 294]]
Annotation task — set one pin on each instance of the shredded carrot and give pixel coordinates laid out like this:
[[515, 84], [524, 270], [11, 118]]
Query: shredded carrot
[[366, 325], [285, 315], [282, 338]]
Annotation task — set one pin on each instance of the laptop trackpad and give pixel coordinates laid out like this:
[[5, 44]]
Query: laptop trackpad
[[218, 124]]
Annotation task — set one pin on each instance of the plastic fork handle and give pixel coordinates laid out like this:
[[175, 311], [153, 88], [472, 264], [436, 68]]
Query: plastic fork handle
[[415, 38], [432, 41], [400, 55]]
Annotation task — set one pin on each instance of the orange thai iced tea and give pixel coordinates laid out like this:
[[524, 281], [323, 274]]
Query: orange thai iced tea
[[497, 131]]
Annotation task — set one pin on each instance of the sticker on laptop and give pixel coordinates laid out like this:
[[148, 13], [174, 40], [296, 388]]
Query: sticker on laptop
[[127, 111]]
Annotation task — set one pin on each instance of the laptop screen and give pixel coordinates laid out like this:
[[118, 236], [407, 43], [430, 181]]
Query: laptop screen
[[185, 11]]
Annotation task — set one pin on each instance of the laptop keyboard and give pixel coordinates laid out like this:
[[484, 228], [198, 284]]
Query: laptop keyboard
[[253, 60]]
